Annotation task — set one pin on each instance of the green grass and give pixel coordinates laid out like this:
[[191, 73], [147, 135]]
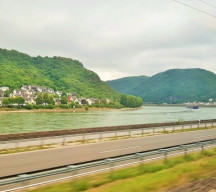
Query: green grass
[[151, 177], [25, 149]]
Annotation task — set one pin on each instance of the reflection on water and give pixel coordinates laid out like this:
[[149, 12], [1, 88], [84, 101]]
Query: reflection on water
[[28, 122]]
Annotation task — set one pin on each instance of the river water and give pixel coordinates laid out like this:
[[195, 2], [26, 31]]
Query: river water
[[30, 122]]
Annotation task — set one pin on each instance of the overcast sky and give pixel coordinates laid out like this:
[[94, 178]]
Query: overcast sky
[[114, 38]]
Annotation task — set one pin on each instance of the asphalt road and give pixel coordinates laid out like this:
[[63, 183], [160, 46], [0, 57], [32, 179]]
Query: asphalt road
[[13, 164]]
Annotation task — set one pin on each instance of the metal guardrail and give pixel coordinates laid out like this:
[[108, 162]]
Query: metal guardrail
[[110, 161], [64, 139], [29, 135]]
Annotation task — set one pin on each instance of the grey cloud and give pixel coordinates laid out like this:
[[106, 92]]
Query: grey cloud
[[112, 37]]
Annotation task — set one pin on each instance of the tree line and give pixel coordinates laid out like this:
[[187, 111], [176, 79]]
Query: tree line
[[131, 101], [13, 101], [45, 100]]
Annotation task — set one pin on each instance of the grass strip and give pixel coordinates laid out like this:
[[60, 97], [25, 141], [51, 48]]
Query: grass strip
[[25, 149], [151, 177]]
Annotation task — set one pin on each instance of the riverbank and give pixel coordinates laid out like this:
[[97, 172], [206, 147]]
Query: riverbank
[[58, 110], [177, 105], [50, 120]]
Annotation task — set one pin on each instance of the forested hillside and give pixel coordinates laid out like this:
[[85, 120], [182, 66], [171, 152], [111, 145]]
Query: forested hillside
[[59, 73], [174, 86], [126, 84]]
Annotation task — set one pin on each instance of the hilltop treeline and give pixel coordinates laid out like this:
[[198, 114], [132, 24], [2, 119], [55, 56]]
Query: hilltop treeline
[[58, 73], [172, 86]]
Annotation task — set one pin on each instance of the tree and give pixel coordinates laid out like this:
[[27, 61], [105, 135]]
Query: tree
[[39, 100], [45, 98], [72, 104], [123, 100], [13, 101], [6, 101], [51, 100], [64, 93], [131, 101], [19, 100], [64, 100], [7, 93]]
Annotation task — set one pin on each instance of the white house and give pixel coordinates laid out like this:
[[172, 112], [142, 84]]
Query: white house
[[1, 93], [30, 100], [59, 93], [51, 91], [108, 101], [1, 101], [4, 89], [91, 101]]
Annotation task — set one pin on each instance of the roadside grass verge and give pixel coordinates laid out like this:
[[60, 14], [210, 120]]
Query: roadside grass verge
[[25, 149], [149, 177], [193, 129]]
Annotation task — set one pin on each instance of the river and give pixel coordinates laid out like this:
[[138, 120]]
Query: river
[[30, 122]]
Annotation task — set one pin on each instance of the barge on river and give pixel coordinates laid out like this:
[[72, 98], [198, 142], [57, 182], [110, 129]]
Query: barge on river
[[193, 107]]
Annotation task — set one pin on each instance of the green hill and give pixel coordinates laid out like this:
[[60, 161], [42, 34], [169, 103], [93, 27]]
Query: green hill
[[59, 73], [175, 86], [126, 84]]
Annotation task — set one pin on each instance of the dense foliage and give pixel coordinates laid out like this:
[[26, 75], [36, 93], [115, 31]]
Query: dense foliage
[[105, 104], [64, 100], [59, 73], [126, 84], [45, 98], [173, 86], [13, 101], [131, 101]]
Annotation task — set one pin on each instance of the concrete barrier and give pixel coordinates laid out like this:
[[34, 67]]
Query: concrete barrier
[[31, 135]]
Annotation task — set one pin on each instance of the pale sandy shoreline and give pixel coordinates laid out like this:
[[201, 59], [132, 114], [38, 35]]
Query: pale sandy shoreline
[[61, 110]]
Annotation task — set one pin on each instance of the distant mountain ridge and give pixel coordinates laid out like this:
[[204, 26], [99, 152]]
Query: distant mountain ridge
[[172, 86], [59, 73], [126, 84]]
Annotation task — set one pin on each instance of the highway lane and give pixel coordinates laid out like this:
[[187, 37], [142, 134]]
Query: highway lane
[[38, 160]]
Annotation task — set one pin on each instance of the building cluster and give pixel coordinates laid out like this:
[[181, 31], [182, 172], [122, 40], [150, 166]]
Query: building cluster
[[30, 94], [2, 93], [195, 103], [3, 90]]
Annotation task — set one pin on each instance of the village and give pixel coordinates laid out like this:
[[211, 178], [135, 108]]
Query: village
[[210, 102], [30, 94]]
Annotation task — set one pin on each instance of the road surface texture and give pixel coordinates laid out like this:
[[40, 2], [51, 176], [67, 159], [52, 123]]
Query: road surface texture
[[13, 164]]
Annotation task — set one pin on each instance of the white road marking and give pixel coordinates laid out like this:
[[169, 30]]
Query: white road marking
[[119, 149], [204, 136]]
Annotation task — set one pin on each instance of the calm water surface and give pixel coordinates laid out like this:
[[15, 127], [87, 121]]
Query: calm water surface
[[29, 122]]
